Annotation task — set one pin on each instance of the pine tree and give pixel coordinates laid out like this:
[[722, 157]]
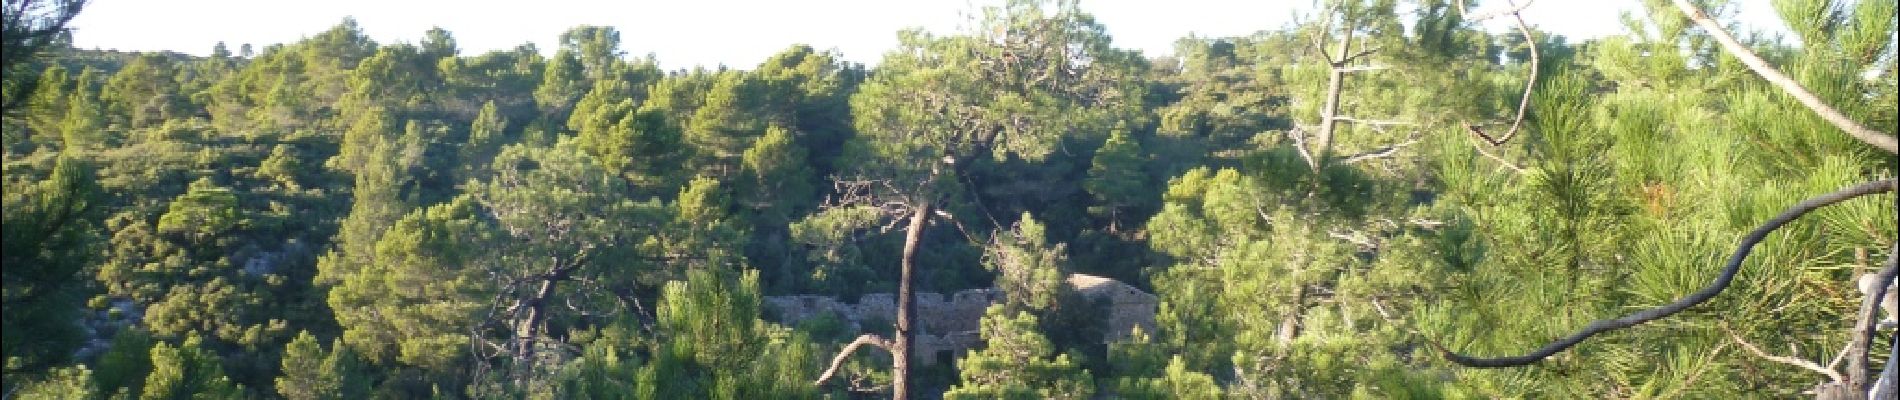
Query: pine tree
[[123, 368], [1140, 372], [85, 122], [311, 373], [63, 383], [202, 213], [1028, 269], [46, 110], [776, 178], [1117, 179], [1015, 363], [51, 236], [725, 124], [187, 371]]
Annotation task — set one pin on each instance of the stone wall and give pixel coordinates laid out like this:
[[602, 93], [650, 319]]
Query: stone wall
[[952, 324]]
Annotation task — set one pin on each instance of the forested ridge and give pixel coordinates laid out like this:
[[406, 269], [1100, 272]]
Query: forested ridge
[[1328, 209]]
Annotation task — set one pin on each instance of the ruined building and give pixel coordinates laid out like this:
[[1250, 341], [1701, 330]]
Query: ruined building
[[947, 327]]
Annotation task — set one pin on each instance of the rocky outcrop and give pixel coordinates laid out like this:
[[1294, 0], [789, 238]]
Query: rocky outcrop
[[950, 324]]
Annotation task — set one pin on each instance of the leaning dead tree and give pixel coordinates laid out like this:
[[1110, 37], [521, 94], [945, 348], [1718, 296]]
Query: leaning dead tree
[[1853, 384]]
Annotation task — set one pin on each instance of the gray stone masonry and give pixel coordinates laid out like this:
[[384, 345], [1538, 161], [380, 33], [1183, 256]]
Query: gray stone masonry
[[952, 324]]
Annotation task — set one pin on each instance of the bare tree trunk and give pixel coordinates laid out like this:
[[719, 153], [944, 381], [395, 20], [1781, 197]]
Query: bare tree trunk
[[906, 313], [1329, 115]]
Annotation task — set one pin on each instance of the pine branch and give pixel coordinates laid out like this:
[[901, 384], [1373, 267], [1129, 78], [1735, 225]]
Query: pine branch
[[1884, 141], [1721, 282]]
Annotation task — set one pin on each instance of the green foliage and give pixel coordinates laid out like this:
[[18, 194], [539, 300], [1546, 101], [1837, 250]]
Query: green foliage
[[51, 235], [85, 122], [146, 91], [312, 373], [1141, 373], [187, 371], [62, 383], [1015, 363], [777, 178], [1028, 269], [47, 108], [628, 139], [585, 225], [123, 368], [1117, 179], [429, 284], [996, 109], [835, 245], [202, 213]]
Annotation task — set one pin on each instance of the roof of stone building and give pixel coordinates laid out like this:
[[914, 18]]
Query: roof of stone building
[[1114, 290]]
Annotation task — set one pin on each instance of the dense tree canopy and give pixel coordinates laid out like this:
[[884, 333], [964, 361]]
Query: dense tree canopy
[[1320, 209]]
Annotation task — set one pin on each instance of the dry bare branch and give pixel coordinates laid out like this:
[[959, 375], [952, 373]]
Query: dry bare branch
[[1835, 376], [1299, 144], [838, 361], [1355, 56], [1721, 282], [1381, 152], [1363, 68], [1371, 122], [1488, 154], [1884, 141], [1491, 14], [1530, 82]]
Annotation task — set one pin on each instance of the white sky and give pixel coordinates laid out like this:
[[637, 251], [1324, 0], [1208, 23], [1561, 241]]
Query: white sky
[[737, 33]]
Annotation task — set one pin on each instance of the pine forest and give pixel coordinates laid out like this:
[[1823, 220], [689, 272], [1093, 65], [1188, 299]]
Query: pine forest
[[1382, 199]]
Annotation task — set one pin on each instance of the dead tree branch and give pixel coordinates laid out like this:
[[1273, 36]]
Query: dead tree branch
[[838, 361], [1864, 328], [1493, 156], [1721, 282], [1371, 122], [1884, 141], [1530, 82], [1835, 376], [1382, 152], [1299, 145], [1491, 14]]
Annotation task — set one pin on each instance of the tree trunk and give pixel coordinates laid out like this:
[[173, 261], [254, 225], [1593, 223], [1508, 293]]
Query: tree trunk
[[528, 327], [1290, 324], [1329, 114], [534, 311], [906, 314]]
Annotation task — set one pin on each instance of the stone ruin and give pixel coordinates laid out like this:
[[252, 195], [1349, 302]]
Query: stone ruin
[[950, 326]]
